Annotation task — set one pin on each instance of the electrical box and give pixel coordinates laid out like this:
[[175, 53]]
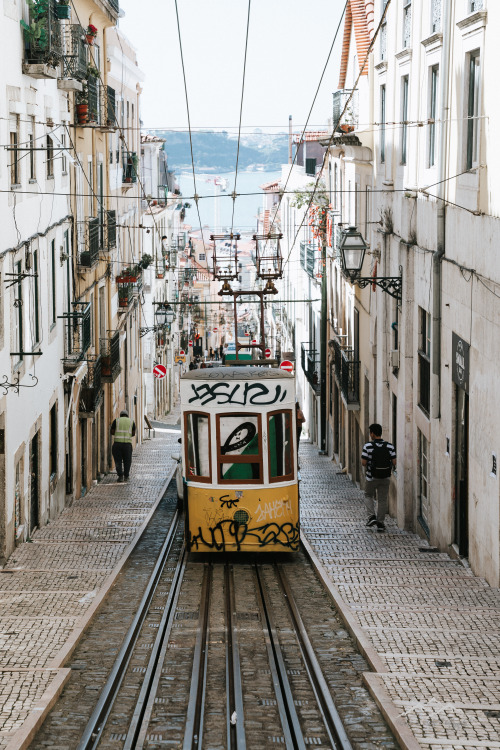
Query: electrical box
[[394, 358]]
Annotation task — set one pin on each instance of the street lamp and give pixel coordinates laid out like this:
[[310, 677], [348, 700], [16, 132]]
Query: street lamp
[[164, 315], [352, 253]]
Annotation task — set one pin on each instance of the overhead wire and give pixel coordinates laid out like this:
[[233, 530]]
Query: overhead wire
[[241, 113]]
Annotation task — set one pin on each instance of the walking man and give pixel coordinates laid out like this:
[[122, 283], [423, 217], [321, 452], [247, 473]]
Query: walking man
[[379, 458], [123, 430]]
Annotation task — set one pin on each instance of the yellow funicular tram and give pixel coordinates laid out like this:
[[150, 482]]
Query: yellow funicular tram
[[239, 460]]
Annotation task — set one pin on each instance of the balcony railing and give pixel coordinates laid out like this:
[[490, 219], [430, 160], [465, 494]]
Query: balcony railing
[[110, 358], [74, 56], [350, 120], [91, 390], [90, 256], [111, 230], [346, 372], [130, 164], [44, 47], [310, 258], [310, 361], [76, 335]]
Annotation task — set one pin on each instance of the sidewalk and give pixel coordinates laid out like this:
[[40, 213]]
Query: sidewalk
[[428, 627], [51, 588]]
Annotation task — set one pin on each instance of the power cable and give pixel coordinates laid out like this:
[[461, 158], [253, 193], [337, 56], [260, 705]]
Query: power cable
[[241, 114]]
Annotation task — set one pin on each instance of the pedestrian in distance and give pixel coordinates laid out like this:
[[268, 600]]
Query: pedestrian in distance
[[123, 430], [299, 421], [379, 459]]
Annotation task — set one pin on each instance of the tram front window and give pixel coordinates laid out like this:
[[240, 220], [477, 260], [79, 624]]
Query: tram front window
[[198, 445], [239, 451], [279, 429]]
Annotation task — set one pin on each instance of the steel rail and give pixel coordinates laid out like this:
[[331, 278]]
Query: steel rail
[[193, 733], [136, 735], [333, 722], [294, 738], [95, 726], [236, 739]]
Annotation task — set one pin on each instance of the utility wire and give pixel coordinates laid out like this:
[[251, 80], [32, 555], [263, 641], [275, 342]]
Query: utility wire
[[241, 113]]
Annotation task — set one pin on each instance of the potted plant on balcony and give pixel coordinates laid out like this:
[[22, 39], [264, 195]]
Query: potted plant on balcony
[[91, 33], [82, 105], [129, 275], [123, 295], [146, 261], [63, 9], [35, 33]]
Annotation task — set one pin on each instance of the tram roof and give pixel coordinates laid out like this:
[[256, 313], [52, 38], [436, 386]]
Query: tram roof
[[237, 373]]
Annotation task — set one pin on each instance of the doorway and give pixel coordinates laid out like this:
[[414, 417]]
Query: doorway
[[462, 471], [83, 456], [34, 517]]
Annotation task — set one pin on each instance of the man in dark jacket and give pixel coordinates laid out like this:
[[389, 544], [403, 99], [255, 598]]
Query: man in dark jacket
[[123, 430], [379, 458]]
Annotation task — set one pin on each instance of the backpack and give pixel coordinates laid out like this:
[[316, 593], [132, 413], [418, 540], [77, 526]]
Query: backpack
[[381, 461]]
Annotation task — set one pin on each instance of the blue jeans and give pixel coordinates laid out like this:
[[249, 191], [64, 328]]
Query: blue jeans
[[122, 454], [380, 488]]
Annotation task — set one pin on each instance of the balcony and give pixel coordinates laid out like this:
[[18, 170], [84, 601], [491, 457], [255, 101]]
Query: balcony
[[110, 238], [310, 258], [89, 257], [115, 5], [91, 390], [43, 42], [346, 374], [74, 58], [310, 361], [110, 358], [76, 335], [107, 121], [350, 119], [130, 165]]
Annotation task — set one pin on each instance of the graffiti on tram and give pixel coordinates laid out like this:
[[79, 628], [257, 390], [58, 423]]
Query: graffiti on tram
[[231, 534], [228, 394]]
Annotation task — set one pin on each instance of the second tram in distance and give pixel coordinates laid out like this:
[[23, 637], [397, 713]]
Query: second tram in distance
[[239, 460]]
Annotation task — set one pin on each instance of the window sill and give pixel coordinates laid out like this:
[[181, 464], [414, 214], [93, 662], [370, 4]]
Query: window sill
[[381, 67], [424, 411], [404, 55], [17, 186], [473, 22], [50, 177], [32, 181], [434, 40]]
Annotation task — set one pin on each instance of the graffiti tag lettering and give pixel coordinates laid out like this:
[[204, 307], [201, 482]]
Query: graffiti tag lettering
[[229, 503], [273, 510], [256, 394], [230, 532]]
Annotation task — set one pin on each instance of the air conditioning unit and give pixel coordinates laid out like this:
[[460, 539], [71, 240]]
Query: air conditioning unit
[[394, 358]]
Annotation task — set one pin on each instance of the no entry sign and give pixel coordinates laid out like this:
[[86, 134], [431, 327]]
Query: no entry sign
[[190, 343], [159, 371], [182, 353], [267, 353], [286, 365]]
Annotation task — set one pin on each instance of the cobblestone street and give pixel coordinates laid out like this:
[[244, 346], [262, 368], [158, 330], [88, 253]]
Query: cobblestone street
[[428, 627], [50, 589]]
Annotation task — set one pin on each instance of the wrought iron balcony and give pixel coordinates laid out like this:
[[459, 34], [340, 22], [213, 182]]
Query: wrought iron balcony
[[107, 119], [346, 373], [90, 256], [43, 49], [110, 240], [310, 258], [76, 335], [310, 361], [74, 53], [350, 119], [91, 389], [130, 165], [110, 358]]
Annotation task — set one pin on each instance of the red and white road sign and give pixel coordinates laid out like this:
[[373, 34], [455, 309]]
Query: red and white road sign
[[190, 343], [215, 330], [159, 371], [182, 353], [286, 365], [254, 341], [267, 353]]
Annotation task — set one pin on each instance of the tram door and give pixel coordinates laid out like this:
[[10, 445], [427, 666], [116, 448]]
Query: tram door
[[462, 471], [34, 520]]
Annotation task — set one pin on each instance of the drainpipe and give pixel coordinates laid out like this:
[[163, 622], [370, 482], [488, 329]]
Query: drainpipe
[[441, 215]]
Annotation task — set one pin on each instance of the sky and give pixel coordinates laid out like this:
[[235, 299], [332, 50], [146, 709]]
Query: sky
[[288, 46]]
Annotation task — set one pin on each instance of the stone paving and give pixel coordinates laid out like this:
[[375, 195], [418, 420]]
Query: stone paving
[[50, 587], [429, 627]]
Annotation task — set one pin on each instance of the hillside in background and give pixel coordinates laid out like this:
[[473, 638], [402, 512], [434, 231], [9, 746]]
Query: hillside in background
[[216, 151]]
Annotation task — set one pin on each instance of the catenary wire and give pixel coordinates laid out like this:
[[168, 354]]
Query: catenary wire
[[241, 113]]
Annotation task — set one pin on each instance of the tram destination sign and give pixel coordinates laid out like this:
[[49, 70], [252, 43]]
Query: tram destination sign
[[460, 361]]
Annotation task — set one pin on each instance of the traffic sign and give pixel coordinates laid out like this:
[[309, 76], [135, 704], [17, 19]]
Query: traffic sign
[[267, 353], [159, 371], [179, 359], [254, 341], [182, 353], [286, 365], [215, 330], [190, 343]]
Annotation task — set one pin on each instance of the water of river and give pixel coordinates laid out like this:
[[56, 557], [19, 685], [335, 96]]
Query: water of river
[[217, 212]]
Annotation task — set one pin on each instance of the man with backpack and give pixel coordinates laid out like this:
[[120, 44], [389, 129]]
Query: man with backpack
[[379, 458]]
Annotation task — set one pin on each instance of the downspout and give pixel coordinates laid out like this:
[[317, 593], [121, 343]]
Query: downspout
[[441, 216]]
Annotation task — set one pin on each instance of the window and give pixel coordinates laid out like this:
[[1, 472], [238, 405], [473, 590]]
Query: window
[[382, 123], [198, 465], [239, 454], [404, 117], [53, 283], [383, 33], [14, 153], [50, 157], [18, 307], [202, 256], [53, 442], [279, 433], [435, 15], [433, 88], [36, 298], [423, 468], [394, 435], [64, 160], [473, 110], [311, 166], [424, 360], [31, 145], [475, 5], [406, 24]]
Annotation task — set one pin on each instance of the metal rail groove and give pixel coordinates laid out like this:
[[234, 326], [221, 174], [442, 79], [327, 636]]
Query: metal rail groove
[[95, 726], [333, 722], [235, 715], [193, 733], [294, 738]]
